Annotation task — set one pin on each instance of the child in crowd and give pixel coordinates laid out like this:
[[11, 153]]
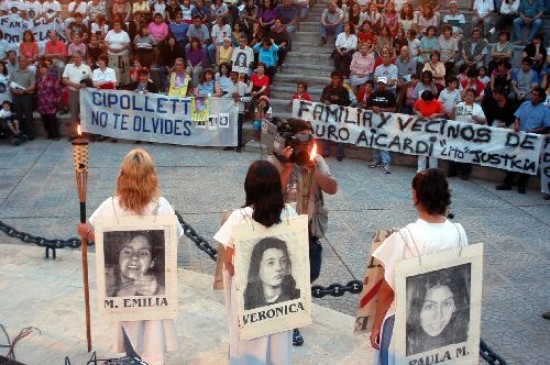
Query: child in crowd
[[11, 124], [450, 97], [262, 111], [301, 92], [483, 77], [410, 95], [500, 76]]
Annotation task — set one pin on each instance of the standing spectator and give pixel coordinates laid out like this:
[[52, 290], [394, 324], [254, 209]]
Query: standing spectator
[[536, 52], [501, 76], [22, 85], [288, 13], [144, 46], [220, 30], [104, 77], [48, 91], [467, 111], [202, 11], [267, 54], [531, 117], [450, 97], [427, 107], [55, 51], [331, 22], [345, 47], [386, 70], [484, 15], [362, 65], [196, 60], [530, 12], [29, 47], [118, 48], [335, 93], [73, 75], [381, 100], [473, 50], [523, 80], [240, 95], [158, 29], [178, 80]]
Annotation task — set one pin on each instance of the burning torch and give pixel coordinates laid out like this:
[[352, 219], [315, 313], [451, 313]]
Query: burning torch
[[307, 180], [80, 158]]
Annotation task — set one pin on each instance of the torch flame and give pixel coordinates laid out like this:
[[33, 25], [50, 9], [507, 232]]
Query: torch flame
[[313, 152], [78, 131]]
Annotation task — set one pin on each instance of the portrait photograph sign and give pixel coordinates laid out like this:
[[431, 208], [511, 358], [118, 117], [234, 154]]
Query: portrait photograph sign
[[136, 259], [272, 277], [438, 307]]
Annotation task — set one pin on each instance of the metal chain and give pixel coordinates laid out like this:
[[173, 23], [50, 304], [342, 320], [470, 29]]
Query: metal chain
[[337, 290], [197, 239], [489, 355]]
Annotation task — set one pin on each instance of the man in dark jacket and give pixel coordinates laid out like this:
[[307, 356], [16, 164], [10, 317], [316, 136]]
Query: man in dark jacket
[[143, 84]]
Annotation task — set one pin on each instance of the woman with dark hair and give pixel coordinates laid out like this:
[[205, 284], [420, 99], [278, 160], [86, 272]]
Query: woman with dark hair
[[270, 278], [223, 78], [264, 205], [438, 309], [28, 47], [267, 15], [48, 90], [344, 48], [431, 233], [144, 47], [137, 194], [196, 58], [208, 86]]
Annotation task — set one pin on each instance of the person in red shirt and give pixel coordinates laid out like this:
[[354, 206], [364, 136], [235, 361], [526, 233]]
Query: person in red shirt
[[56, 52], [472, 82], [259, 81], [301, 92], [427, 107]]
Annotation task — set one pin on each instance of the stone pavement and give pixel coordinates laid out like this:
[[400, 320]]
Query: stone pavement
[[38, 195]]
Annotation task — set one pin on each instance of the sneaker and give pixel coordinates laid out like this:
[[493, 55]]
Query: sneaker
[[339, 158], [387, 169], [297, 339], [375, 164], [503, 187], [323, 41], [521, 190], [238, 149], [546, 315]]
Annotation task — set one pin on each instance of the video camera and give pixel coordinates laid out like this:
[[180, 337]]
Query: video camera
[[280, 134]]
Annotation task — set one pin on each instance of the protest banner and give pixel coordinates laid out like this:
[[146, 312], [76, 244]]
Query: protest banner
[[438, 307], [136, 259], [545, 166], [364, 319], [158, 118], [13, 27], [440, 138], [272, 277]]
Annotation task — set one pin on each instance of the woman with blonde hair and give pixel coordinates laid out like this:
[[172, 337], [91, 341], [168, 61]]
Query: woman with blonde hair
[[137, 194]]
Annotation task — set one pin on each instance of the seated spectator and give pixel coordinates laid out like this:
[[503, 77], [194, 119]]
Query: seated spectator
[[387, 70], [413, 43], [262, 111], [432, 4], [224, 52], [208, 86], [178, 80], [236, 33], [171, 11], [467, 111], [427, 107], [282, 39], [473, 83], [301, 92], [354, 16], [484, 77], [28, 47], [202, 11], [508, 12], [473, 50], [428, 45], [372, 15], [384, 40], [364, 93], [267, 54], [331, 22], [48, 91], [289, 15], [196, 60], [143, 8], [334, 93], [243, 55], [530, 12], [220, 30], [485, 16], [104, 77], [167, 61], [536, 52], [135, 25], [381, 100], [501, 51], [456, 20], [77, 27], [400, 41], [501, 76], [259, 81], [366, 33], [450, 97], [55, 51], [158, 29], [121, 10], [95, 48], [345, 47], [219, 8], [144, 47], [426, 19], [99, 26], [410, 96], [437, 68], [199, 31], [187, 10], [249, 16], [257, 34], [523, 80], [77, 46], [389, 18], [223, 78], [34, 9], [159, 7], [362, 65], [52, 10], [179, 29], [406, 67], [303, 8], [406, 17], [267, 15], [448, 47], [498, 109], [426, 82], [143, 84]]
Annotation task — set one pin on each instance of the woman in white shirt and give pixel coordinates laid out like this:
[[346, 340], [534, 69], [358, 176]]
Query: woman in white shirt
[[345, 47], [104, 77], [264, 205], [118, 48]]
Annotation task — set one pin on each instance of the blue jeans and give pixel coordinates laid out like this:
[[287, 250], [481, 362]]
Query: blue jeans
[[315, 258], [323, 30], [326, 148], [385, 341], [535, 25], [381, 156]]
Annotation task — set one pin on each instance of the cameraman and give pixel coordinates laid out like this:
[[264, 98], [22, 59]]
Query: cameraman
[[293, 165]]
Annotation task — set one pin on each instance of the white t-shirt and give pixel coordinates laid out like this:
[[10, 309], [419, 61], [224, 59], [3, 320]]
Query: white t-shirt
[[449, 99], [13, 6], [50, 8], [108, 75], [5, 93], [117, 40], [76, 73], [220, 32], [457, 17], [484, 7], [34, 8], [81, 8], [348, 43], [464, 113]]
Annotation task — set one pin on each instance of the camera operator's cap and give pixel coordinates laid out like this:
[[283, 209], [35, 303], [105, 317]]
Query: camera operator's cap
[[383, 80]]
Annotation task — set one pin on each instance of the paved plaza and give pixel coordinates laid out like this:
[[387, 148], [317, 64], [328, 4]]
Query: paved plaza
[[38, 195]]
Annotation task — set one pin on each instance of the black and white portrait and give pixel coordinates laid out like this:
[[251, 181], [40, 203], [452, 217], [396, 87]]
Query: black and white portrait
[[438, 308], [270, 277], [134, 263], [240, 60]]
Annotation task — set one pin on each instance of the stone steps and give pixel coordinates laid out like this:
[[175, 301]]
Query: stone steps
[[306, 69]]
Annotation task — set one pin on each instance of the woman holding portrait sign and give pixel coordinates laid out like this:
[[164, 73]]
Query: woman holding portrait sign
[[137, 194], [270, 279], [431, 233]]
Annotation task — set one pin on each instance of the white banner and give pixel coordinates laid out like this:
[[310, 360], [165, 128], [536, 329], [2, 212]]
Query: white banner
[[545, 166], [446, 139], [13, 27], [157, 118]]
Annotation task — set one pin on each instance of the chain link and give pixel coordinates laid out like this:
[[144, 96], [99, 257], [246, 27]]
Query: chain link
[[39, 240], [197, 239], [489, 355]]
